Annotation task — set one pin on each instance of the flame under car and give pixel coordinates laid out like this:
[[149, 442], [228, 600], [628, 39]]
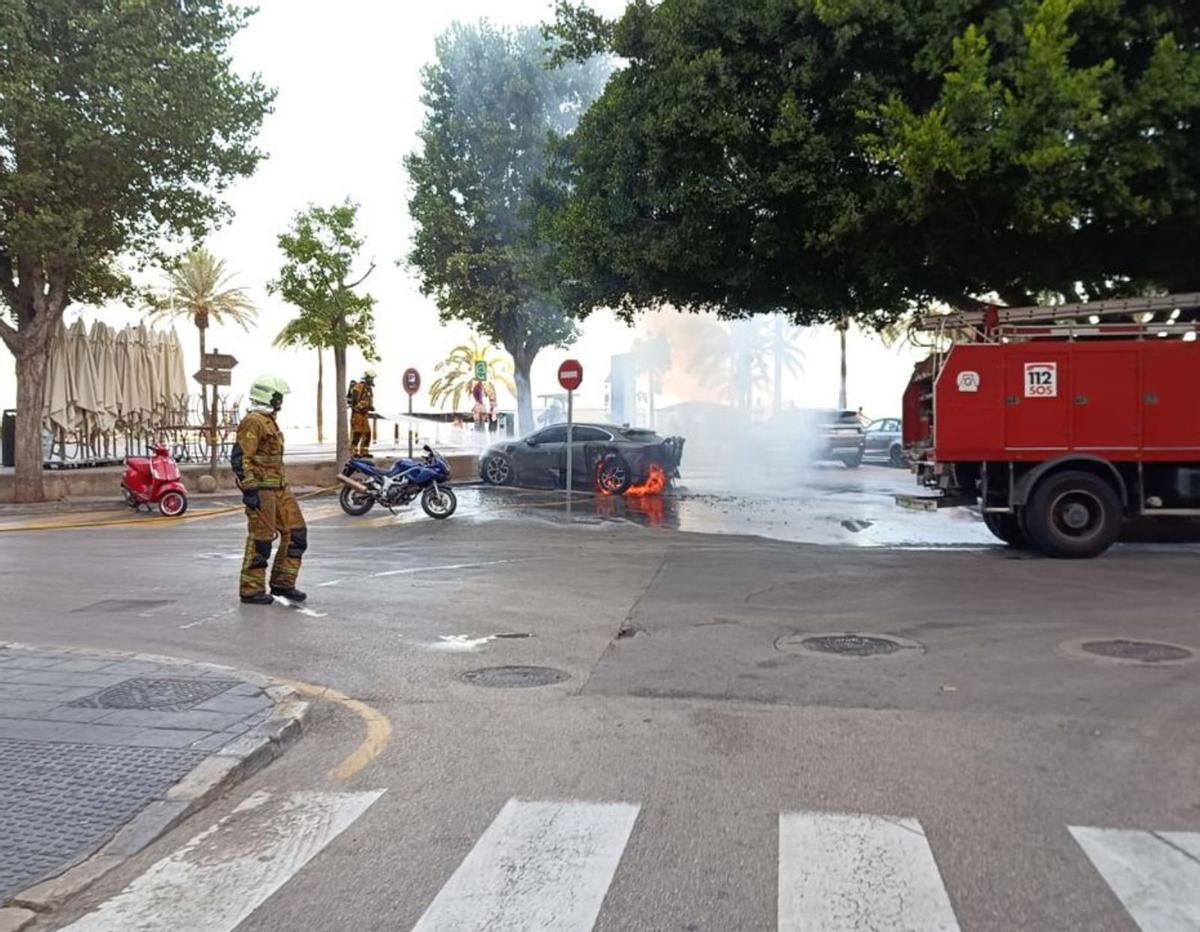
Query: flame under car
[[605, 458]]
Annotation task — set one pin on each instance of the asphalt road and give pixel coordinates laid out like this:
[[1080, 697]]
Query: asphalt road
[[698, 768]]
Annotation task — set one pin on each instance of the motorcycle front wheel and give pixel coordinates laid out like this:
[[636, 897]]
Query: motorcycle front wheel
[[439, 503], [355, 503]]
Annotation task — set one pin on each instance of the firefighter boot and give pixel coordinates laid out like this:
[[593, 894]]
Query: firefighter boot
[[259, 598], [292, 595]]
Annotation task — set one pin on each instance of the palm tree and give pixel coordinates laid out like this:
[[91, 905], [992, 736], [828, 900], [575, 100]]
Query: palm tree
[[199, 287], [842, 326], [786, 356], [301, 331], [458, 372]]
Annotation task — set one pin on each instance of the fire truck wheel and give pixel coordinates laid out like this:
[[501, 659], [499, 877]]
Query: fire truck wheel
[[1007, 528], [1073, 515]]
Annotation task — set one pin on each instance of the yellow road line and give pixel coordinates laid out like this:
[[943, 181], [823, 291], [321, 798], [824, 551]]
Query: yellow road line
[[73, 523], [379, 729]]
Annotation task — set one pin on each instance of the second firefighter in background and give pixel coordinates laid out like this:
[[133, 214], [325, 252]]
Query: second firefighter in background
[[361, 399]]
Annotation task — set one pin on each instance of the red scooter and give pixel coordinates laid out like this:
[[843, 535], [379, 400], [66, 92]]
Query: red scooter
[[154, 480]]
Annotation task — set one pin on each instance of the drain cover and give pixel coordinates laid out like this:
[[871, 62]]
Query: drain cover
[[514, 677], [1140, 651], [174, 694], [846, 644], [1129, 651]]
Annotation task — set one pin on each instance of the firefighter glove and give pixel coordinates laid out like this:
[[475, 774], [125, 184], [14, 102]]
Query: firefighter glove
[[251, 500]]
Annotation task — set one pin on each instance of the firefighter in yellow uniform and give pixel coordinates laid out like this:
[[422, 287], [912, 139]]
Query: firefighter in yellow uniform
[[362, 405], [271, 508]]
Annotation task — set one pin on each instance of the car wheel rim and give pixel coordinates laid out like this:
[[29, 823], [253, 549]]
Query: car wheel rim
[[497, 471], [613, 477], [1077, 515]]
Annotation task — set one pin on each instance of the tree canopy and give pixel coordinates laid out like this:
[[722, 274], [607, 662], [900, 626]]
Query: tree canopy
[[492, 106], [321, 250], [122, 122], [857, 157]]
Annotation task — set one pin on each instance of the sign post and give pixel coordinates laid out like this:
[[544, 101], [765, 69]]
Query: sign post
[[412, 384], [215, 369], [570, 377]]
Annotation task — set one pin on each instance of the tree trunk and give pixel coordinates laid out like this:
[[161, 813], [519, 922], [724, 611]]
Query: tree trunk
[[320, 395], [777, 358], [201, 327], [343, 427], [32, 363], [521, 366], [842, 327]]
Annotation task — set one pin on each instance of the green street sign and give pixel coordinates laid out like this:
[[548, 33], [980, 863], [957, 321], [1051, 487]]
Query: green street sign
[[480, 370]]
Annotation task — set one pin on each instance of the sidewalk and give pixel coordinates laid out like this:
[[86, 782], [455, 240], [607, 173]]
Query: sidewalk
[[100, 753]]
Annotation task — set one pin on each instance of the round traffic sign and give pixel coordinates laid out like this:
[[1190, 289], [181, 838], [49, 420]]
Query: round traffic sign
[[412, 381], [570, 374]]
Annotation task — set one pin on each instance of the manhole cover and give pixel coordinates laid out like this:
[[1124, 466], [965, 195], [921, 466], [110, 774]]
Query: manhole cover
[[173, 694], [1140, 651], [846, 644], [514, 677], [124, 605]]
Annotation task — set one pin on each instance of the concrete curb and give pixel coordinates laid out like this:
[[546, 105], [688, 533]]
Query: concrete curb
[[207, 781]]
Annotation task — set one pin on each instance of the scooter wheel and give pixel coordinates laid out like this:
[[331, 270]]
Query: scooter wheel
[[173, 504]]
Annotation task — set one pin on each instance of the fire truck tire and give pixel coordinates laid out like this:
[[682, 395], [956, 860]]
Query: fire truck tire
[[1073, 515], [1007, 528]]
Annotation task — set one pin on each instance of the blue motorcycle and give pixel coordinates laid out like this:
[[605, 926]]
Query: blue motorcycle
[[365, 485]]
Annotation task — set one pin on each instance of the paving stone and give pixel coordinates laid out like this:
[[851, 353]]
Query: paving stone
[[56, 693], [25, 708], [245, 689], [33, 663], [63, 800], [166, 738], [212, 742], [241, 705], [66, 713], [132, 667], [80, 666], [194, 719], [57, 678]]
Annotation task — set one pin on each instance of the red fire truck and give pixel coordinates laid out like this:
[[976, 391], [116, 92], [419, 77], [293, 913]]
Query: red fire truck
[[1061, 422]]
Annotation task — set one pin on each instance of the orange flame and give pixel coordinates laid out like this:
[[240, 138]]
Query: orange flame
[[656, 482]]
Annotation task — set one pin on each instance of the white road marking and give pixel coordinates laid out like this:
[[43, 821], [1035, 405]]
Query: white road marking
[[297, 607], [207, 618], [538, 866], [854, 872], [448, 566], [1155, 875], [223, 874], [460, 642]]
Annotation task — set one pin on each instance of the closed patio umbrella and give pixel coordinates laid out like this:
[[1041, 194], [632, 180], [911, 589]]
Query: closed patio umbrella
[[107, 395], [60, 413], [84, 378]]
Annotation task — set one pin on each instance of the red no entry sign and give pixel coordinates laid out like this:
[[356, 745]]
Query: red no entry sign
[[570, 375], [412, 381]]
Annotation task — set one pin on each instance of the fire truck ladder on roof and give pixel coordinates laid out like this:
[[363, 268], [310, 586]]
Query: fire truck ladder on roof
[[1111, 317]]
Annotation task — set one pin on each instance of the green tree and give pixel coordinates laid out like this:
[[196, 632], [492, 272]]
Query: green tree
[[321, 249], [837, 159], [458, 372], [121, 124], [492, 105], [301, 331], [201, 289]]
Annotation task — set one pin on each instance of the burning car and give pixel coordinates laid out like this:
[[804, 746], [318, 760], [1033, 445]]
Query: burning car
[[612, 460]]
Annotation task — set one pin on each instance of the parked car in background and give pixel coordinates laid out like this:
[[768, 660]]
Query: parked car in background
[[840, 437], [884, 441], [605, 457]]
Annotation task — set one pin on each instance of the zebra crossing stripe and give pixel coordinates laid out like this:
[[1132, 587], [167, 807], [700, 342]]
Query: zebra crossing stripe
[[539, 865], [852, 872], [1155, 875], [227, 871]]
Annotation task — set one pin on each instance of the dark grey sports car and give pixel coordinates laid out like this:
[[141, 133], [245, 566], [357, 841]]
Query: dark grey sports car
[[604, 457]]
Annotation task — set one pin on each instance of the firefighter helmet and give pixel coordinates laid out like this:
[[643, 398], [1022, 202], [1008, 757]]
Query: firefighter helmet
[[268, 390]]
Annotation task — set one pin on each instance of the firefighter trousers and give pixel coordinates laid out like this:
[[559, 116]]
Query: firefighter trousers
[[279, 515], [360, 434]]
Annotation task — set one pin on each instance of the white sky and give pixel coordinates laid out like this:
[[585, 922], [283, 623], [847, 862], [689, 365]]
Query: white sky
[[346, 113]]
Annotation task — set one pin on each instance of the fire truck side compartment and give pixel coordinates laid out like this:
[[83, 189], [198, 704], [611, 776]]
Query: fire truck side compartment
[[1127, 401]]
